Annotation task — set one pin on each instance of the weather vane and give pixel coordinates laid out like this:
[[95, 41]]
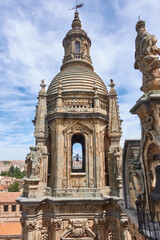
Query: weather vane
[[139, 17], [77, 6]]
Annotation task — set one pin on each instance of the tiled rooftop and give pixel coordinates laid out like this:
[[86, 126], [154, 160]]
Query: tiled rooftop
[[7, 197], [10, 228]]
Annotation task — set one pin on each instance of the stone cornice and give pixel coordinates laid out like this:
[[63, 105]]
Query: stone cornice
[[145, 99], [63, 115], [67, 201]]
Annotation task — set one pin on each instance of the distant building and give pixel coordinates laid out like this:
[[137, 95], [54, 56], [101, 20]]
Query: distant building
[[10, 213], [5, 165], [6, 182], [4, 188]]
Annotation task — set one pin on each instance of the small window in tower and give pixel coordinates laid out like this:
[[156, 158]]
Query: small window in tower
[[77, 47], [78, 153], [5, 208], [13, 208]]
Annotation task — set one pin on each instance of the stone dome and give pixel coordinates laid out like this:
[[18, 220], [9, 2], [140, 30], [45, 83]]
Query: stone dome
[[76, 79]]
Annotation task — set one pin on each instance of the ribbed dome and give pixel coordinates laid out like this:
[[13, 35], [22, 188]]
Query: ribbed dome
[[77, 78]]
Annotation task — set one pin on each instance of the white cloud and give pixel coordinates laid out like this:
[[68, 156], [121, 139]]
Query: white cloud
[[31, 49]]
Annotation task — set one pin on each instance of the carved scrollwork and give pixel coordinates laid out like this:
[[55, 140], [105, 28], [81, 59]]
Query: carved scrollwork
[[64, 182], [147, 124], [78, 182], [77, 229], [91, 183]]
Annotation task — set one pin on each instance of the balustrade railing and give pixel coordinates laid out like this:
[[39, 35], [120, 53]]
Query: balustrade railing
[[103, 105], [76, 103], [51, 105], [149, 222], [77, 56]]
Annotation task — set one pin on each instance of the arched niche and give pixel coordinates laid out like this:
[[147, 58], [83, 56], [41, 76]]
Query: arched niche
[[78, 153]]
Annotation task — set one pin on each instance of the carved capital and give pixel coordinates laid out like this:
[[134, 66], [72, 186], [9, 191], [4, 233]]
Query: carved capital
[[57, 223], [31, 225]]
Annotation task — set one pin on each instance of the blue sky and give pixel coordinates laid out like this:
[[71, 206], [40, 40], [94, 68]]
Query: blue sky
[[31, 34]]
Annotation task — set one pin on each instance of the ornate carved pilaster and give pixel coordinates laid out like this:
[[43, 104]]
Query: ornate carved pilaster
[[44, 233], [100, 221], [31, 225]]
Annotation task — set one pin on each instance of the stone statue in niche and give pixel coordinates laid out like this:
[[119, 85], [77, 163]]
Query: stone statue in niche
[[32, 163], [147, 57]]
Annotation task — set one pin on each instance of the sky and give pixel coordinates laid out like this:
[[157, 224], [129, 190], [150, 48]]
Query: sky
[[31, 34]]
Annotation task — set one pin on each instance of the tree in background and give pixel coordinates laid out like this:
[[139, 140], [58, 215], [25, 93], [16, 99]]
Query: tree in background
[[13, 172], [14, 187]]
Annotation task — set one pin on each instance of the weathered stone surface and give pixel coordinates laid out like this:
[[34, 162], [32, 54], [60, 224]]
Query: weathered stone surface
[[61, 200], [146, 58]]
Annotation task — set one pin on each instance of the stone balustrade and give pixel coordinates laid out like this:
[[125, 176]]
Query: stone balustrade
[[77, 104], [74, 56]]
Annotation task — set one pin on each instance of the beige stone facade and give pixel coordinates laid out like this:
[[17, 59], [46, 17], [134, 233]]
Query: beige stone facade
[[141, 167], [73, 184], [10, 213]]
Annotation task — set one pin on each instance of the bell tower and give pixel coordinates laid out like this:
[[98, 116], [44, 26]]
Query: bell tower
[[76, 181], [76, 44]]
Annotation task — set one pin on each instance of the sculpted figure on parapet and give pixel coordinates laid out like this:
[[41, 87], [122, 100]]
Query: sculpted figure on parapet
[[146, 53], [32, 163]]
